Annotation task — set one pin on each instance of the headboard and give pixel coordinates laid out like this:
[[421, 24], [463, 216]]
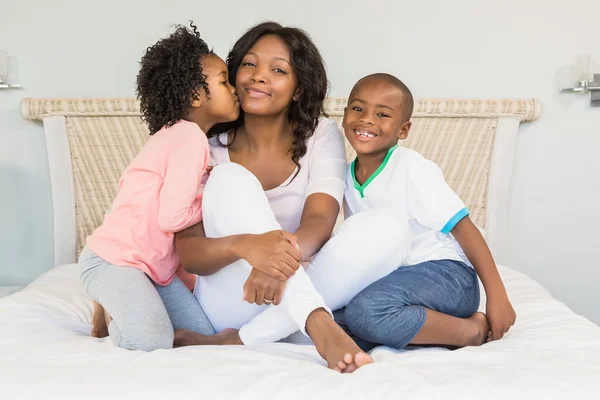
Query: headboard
[[91, 141]]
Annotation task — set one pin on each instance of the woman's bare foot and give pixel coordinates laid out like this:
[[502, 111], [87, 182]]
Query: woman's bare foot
[[99, 323], [184, 337], [481, 327], [333, 344]]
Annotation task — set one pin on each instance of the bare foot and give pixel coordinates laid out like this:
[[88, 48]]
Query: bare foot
[[333, 344], [480, 330], [184, 337], [99, 323]]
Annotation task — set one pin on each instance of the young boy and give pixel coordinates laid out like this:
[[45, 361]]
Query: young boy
[[434, 296]]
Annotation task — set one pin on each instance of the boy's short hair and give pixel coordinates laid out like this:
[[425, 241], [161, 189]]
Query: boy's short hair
[[407, 100]]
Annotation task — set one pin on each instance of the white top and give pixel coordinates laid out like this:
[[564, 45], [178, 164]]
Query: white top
[[413, 185], [323, 170]]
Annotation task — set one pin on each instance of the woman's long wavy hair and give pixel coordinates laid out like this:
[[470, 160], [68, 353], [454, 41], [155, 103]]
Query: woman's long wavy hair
[[310, 72]]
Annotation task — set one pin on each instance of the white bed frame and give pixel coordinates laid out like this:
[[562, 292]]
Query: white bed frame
[[63, 190]]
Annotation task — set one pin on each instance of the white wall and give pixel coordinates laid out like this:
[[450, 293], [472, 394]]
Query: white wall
[[460, 48]]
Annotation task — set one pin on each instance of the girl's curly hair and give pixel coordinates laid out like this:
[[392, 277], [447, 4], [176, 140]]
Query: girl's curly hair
[[312, 81], [171, 77]]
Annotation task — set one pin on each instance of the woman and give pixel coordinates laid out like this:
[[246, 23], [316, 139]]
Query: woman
[[272, 201]]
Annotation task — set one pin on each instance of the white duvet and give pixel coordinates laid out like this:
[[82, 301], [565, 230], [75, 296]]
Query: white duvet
[[46, 352]]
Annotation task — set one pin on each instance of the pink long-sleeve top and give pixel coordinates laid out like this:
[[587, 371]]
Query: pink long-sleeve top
[[159, 194]]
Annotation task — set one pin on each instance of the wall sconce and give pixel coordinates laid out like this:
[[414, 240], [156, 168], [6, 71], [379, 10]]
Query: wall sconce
[[586, 81], [4, 73]]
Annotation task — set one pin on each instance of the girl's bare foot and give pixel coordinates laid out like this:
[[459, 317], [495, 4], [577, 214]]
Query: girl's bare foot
[[184, 337], [480, 329], [333, 344], [99, 324]]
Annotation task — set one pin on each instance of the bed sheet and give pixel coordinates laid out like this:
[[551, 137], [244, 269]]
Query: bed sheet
[[46, 352]]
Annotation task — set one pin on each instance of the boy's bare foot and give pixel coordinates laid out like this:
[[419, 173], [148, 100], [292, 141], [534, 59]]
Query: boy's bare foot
[[99, 323], [480, 330], [333, 344], [184, 337]]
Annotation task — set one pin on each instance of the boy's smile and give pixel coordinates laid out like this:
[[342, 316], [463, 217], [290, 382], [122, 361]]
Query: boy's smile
[[365, 134]]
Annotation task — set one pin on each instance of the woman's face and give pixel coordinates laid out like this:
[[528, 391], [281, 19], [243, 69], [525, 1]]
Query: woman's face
[[266, 82]]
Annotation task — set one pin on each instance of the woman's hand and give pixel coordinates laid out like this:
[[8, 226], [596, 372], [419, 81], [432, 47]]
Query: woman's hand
[[261, 289], [274, 253]]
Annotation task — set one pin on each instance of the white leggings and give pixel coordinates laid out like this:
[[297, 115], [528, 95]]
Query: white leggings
[[367, 247]]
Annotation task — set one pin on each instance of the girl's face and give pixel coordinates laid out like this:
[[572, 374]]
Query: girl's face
[[266, 82], [222, 103]]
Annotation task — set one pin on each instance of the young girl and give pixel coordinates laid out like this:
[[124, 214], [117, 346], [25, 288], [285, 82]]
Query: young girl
[[184, 90]]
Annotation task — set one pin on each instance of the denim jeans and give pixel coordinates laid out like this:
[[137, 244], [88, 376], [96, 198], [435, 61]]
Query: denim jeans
[[391, 311]]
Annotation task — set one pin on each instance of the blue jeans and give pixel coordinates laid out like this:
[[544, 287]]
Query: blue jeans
[[391, 311]]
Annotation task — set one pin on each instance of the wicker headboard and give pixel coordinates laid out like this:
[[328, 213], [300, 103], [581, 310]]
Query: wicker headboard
[[91, 141]]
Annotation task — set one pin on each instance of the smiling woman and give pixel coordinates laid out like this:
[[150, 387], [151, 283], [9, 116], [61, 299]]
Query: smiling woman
[[288, 163]]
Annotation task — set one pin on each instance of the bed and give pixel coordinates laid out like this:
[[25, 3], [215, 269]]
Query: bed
[[47, 352]]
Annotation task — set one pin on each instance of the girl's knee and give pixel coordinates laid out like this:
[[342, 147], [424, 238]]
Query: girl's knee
[[91, 268], [144, 339]]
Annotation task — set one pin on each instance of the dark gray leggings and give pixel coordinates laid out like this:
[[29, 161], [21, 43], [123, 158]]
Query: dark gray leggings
[[144, 315]]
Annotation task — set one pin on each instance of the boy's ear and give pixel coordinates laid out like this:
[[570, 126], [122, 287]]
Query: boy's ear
[[403, 133], [344, 119]]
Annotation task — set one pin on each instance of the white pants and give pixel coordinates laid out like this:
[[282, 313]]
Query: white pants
[[367, 247]]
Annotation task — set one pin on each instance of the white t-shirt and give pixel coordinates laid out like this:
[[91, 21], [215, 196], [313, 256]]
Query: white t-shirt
[[413, 185], [323, 170]]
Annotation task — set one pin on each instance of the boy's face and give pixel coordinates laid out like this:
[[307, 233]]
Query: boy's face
[[374, 117]]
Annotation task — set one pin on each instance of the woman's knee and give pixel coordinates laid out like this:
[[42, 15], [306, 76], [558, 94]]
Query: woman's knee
[[231, 175], [388, 223], [387, 232], [234, 202], [225, 181]]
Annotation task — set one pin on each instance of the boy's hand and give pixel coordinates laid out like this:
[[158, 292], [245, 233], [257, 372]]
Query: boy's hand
[[500, 315], [261, 289]]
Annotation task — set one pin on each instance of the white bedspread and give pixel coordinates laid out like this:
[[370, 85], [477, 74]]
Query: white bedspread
[[46, 352]]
